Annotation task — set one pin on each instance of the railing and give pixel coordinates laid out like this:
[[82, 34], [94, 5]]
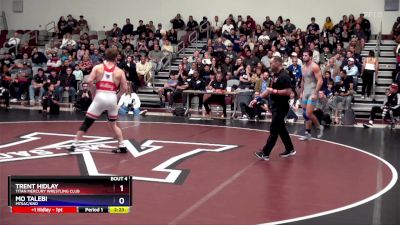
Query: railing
[[207, 29], [50, 27], [193, 36], [3, 17], [377, 54]]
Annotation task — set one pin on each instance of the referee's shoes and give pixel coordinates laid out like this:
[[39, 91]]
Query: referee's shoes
[[284, 154]]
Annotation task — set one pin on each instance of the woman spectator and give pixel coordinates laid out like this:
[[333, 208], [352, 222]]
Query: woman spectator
[[67, 40], [328, 26], [168, 89], [86, 65], [245, 78], [80, 53], [62, 27], [294, 105], [352, 23], [369, 68], [129, 103], [173, 36]]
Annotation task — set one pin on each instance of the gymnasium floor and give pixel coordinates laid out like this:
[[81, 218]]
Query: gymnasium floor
[[204, 172]]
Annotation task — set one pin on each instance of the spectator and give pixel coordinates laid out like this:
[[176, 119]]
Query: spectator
[[294, 106], [20, 75], [333, 69], [182, 85], [328, 25], [177, 22], [37, 84], [191, 24], [68, 84], [196, 83], [86, 65], [216, 27], [50, 101], [396, 28], [159, 31], [168, 89], [62, 27], [343, 95], [143, 69], [54, 79], [129, 103], [245, 78], [78, 75], [152, 28], [326, 79], [268, 23], [226, 28], [254, 112], [173, 36], [217, 86], [83, 24], [289, 27], [67, 40], [127, 29], [325, 56], [84, 40], [312, 30], [13, 43], [295, 72], [84, 98], [358, 32], [72, 23], [115, 31], [390, 108], [38, 58], [262, 84], [127, 51], [96, 57], [351, 71], [369, 70], [141, 28], [130, 71], [365, 26], [26, 49], [80, 52]]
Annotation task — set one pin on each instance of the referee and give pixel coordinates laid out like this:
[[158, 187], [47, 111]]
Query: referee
[[279, 105]]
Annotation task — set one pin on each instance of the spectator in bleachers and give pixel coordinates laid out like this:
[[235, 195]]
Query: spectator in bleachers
[[343, 94], [316, 54], [345, 34], [67, 40], [230, 52], [191, 24], [227, 27], [245, 78], [168, 88], [115, 31], [96, 57], [127, 51], [352, 71], [266, 60], [182, 84], [130, 71], [6, 61], [326, 79], [84, 98], [54, 79], [289, 27], [204, 28], [216, 27], [250, 59], [173, 36], [295, 72], [168, 50], [127, 29], [78, 75], [218, 86], [227, 66], [325, 43], [358, 33], [177, 22], [155, 57], [198, 84], [20, 75], [37, 85], [86, 65], [25, 60], [294, 106], [68, 84], [72, 24], [365, 25], [325, 56], [332, 68], [50, 101], [62, 27], [25, 49], [268, 23], [38, 58], [369, 70], [82, 24], [312, 30], [80, 53], [13, 43], [84, 40], [328, 25], [396, 28], [151, 26], [141, 28], [143, 69], [159, 31]]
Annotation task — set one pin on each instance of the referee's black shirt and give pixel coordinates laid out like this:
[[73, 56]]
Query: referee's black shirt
[[280, 81]]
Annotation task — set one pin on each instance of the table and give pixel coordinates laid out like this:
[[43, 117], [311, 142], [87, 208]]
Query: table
[[230, 93]]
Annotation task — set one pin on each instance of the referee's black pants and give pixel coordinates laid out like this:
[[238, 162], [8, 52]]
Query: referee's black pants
[[278, 128]]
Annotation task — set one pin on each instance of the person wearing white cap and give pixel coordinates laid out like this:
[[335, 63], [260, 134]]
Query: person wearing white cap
[[352, 71]]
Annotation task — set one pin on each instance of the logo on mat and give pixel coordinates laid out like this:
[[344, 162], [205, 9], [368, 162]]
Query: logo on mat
[[93, 147]]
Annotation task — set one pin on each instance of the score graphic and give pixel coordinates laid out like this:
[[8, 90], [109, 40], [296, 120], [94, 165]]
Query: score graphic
[[70, 194]]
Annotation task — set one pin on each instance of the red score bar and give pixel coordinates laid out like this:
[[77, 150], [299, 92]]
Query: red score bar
[[43, 209]]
